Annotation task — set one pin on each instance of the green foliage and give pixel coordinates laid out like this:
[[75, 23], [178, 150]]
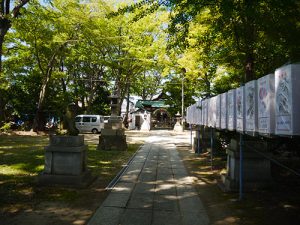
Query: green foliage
[[6, 127], [173, 89], [249, 38], [101, 103], [66, 51], [70, 52], [261, 33]]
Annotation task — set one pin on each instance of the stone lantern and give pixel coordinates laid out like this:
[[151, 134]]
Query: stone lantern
[[178, 126], [146, 122], [113, 136], [66, 158]]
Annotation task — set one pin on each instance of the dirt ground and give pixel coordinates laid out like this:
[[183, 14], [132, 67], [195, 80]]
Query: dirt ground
[[64, 212], [279, 205], [76, 211], [56, 212]]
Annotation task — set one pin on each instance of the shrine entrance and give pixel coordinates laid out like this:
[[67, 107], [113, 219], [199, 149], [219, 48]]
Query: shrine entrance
[[155, 113], [161, 119]]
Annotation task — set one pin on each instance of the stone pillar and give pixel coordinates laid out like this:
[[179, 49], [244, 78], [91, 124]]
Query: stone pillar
[[146, 122], [65, 162], [205, 134], [197, 140], [113, 135], [178, 126], [256, 168]]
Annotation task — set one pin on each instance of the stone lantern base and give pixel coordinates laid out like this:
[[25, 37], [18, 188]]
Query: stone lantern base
[[112, 142], [178, 126], [65, 162], [113, 136], [256, 168]]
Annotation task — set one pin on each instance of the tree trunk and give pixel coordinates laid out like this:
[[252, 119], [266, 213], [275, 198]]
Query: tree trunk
[[250, 38], [63, 82], [2, 108], [249, 68], [125, 121], [4, 26], [91, 95], [38, 122], [144, 89], [207, 84], [5, 23]]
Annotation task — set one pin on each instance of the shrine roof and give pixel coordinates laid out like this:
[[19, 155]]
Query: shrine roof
[[152, 104]]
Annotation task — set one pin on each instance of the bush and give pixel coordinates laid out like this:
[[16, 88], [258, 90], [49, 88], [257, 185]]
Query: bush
[[6, 127]]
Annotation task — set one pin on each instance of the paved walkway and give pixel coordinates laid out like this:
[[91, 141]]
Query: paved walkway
[[155, 190]]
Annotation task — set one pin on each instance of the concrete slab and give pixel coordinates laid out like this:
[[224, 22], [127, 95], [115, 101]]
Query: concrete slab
[[165, 218], [123, 187], [150, 166], [164, 177], [136, 217], [147, 178], [166, 203], [164, 170], [117, 200], [141, 201], [155, 190], [195, 219], [144, 188], [190, 202], [180, 171], [167, 188], [135, 166], [183, 188], [106, 216]]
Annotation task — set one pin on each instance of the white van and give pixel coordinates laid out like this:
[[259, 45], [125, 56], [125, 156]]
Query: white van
[[89, 123]]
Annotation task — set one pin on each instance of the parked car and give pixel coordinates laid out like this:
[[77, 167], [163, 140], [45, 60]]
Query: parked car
[[89, 123]]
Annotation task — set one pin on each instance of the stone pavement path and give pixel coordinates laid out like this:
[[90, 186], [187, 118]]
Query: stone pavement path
[[155, 190]]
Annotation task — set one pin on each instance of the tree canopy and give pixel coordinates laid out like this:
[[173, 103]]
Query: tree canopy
[[57, 52]]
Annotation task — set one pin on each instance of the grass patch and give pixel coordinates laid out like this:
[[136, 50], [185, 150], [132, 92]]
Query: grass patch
[[108, 163], [22, 159]]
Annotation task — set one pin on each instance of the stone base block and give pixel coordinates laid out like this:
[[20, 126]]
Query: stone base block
[[145, 126], [232, 185], [177, 127], [65, 162], [66, 155], [256, 168], [114, 123], [197, 145], [111, 132], [66, 141], [80, 181], [112, 142], [205, 138]]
